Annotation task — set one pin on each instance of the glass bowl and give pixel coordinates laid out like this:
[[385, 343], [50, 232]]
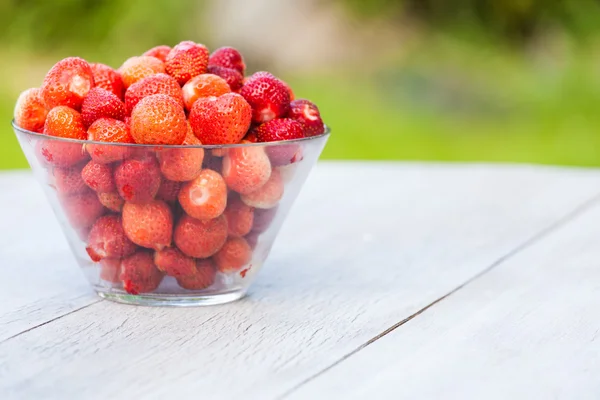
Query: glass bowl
[[171, 225]]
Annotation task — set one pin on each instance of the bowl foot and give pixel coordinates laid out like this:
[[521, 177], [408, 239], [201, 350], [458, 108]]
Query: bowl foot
[[172, 300]]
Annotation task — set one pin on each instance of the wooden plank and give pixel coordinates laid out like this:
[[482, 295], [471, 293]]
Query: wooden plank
[[529, 329], [366, 246]]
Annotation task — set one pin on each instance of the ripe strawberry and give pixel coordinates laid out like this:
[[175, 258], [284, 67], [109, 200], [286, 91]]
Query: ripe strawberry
[[63, 121], [234, 254], [203, 276], [112, 201], [277, 130], [246, 169], [263, 218], [268, 195], [181, 164], [174, 263], [200, 239], [111, 131], [68, 180], [148, 225], [290, 91], [67, 83], [267, 95], [107, 78], [107, 239], [228, 57], [251, 136], [99, 177], [308, 115], [60, 154], [110, 269], [168, 191], [205, 197], [186, 60], [100, 103], [240, 217], [138, 179], [234, 79], [139, 274], [220, 120], [137, 68], [205, 85], [30, 113], [154, 84], [190, 138], [82, 209], [159, 52], [158, 119]]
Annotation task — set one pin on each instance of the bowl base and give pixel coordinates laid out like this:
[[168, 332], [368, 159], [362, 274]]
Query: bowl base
[[173, 300]]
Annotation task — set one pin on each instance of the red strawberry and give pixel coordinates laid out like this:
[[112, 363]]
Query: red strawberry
[[228, 57], [67, 83], [99, 177], [110, 269], [240, 217], [154, 84], [158, 119], [234, 79], [112, 201], [251, 136], [68, 180], [148, 225], [205, 197], [159, 52], [246, 169], [82, 209], [107, 78], [200, 239], [220, 120], [234, 254], [263, 218], [308, 115], [137, 68], [63, 121], [174, 263], [190, 138], [268, 195], [138, 179], [139, 274], [168, 191], [267, 95], [186, 60], [60, 154], [100, 103], [111, 131], [107, 239], [181, 164], [281, 129], [30, 113], [203, 276], [205, 85]]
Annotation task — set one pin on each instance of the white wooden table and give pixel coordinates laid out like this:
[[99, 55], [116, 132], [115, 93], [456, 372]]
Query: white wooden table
[[388, 281]]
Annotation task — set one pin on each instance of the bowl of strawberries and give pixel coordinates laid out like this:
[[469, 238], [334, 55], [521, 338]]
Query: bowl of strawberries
[[171, 175]]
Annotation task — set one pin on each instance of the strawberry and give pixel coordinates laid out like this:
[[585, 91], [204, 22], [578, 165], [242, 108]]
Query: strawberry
[[139, 274], [111, 131], [246, 169], [137, 68], [205, 85], [68, 180], [159, 52], [200, 239], [205, 197], [60, 154], [220, 120], [148, 225], [234, 79], [181, 164], [228, 57], [168, 191], [263, 218], [203, 276], [158, 119], [99, 177], [107, 78], [268, 96], [110, 269], [268, 195], [82, 209], [281, 129], [190, 138], [186, 60], [234, 254], [65, 122], [153, 84], [100, 103], [112, 201], [251, 136], [174, 263], [138, 179], [67, 83], [107, 239], [240, 217], [308, 115], [30, 113]]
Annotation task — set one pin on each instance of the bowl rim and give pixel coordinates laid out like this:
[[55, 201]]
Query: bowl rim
[[325, 134]]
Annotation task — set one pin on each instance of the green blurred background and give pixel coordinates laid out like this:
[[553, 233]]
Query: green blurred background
[[460, 80]]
